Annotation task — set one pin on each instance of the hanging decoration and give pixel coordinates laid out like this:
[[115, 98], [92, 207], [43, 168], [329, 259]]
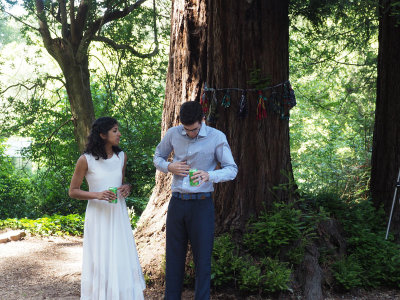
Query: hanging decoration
[[280, 100], [204, 100], [226, 100], [212, 116], [243, 105], [261, 111]]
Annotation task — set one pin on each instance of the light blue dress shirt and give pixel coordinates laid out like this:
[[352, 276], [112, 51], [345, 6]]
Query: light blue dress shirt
[[202, 153]]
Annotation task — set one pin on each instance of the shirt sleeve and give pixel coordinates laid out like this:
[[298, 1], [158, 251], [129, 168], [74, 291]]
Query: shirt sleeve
[[163, 150], [224, 156]]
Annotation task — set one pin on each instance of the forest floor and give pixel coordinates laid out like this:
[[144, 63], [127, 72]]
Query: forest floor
[[50, 268]]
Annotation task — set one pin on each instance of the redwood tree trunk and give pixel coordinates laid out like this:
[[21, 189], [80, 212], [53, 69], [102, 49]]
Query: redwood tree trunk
[[186, 73], [386, 144], [244, 36], [221, 42]]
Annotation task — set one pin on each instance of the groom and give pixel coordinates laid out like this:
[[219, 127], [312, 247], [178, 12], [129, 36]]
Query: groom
[[190, 214]]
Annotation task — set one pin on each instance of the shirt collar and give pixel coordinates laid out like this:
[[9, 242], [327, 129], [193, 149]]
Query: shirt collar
[[202, 132]]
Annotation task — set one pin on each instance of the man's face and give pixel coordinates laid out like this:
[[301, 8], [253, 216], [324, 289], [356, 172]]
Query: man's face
[[192, 130]]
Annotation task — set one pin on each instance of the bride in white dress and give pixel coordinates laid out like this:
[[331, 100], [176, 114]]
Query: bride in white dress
[[110, 267]]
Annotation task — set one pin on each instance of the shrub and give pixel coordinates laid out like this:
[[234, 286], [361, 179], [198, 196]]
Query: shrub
[[46, 226]]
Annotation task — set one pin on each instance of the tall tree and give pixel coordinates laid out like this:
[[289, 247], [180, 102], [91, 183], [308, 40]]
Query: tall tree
[[386, 143], [67, 31], [223, 44]]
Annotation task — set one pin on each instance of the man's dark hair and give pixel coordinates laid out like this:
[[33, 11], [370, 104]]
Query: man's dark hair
[[191, 112]]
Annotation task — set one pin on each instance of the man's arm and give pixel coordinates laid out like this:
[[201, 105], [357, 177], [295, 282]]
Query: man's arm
[[224, 156], [163, 150]]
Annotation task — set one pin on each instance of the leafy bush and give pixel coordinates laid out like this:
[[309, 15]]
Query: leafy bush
[[347, 272], [46, 226], [273, 230], [247, 273], [13, 189], [371, 260], [224, 258]]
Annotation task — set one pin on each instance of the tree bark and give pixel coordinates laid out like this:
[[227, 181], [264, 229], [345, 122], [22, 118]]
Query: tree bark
[[244, 36], [75, 69], [386, 143], [186, 73], [221, 42]]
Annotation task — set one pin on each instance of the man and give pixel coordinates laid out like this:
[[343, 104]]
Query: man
[[190, 214]]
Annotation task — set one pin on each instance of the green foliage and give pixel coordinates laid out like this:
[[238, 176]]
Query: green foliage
[[250, 274], [370, 261], [224, 260], [347, 272], [273, 230], [123, 86], [13, 189], [46, 226], [333, 57]]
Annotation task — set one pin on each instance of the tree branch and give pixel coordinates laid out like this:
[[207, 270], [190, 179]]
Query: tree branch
[[338, 62], [20, 20], [64, 22], [116, 46], [57, 129], [106, 18], [72, 19], [80, 21], [44, 28], [56, 78], [18, 85]]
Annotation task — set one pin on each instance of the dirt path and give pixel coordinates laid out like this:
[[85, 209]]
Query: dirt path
[[50, 268], [41, 268]]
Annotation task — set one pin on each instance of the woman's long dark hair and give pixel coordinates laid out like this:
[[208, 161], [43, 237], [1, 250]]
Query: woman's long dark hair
[[95, 144]]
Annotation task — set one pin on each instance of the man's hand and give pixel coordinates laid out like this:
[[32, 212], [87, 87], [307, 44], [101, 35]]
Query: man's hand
[[200, 176], [179, 168]]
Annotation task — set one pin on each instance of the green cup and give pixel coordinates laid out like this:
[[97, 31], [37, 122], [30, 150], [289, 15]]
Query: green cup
[[114, 190], [191, 171]]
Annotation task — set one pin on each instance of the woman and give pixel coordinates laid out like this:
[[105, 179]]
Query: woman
[[110, 268]]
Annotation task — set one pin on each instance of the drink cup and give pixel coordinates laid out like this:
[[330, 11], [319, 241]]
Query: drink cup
[[191, 171], [115, 191]]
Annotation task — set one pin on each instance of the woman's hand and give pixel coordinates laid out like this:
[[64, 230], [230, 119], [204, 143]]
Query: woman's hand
[[125, 190], [106, 195]]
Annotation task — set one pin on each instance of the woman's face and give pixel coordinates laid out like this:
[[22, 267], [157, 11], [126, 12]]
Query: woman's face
[[113, 136]]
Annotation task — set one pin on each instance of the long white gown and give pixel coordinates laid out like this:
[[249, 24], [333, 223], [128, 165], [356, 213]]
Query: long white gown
[[110, 267]]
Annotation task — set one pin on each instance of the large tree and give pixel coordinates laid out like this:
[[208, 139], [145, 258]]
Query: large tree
[[67, 28], [386, 143], [226, 44]]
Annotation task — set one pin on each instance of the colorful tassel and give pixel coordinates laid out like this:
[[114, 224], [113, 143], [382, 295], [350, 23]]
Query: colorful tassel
[[261, 111]]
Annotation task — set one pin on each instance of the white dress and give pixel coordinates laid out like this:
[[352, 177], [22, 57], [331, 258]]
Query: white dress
[[110, 267]]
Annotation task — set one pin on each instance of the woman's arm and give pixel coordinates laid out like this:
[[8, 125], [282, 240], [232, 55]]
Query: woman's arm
[[125, 188], [75, 191]]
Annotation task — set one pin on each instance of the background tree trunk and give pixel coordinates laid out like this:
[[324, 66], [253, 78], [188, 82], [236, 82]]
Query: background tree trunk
[[221, 42], [386, 144], [77, 79], [186, 73], [244, 36], [75, 68]]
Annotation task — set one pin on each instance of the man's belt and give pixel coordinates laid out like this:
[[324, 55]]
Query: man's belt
[[191, 196]]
